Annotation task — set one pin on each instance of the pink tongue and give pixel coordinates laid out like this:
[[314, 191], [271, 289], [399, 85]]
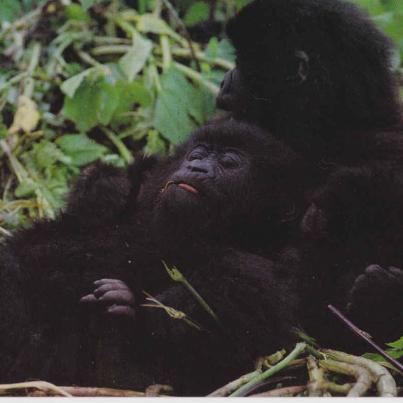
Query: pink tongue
[[188, 188]]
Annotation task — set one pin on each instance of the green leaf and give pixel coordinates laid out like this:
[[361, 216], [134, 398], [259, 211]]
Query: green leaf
[[374, 7], [46, 153], [374, 357], [95, 101], [9, 10], [241, 3], [149, 23], [197, 12], [178, 107], [88, 3], [77, 13], [107, 100], [220, 49], [25, 189], [155, 144], [135, 59], [80, 148], [397, 345], [130, 94], [70, 86]]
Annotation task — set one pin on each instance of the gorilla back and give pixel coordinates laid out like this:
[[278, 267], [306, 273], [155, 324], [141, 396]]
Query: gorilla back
[[316, 73]]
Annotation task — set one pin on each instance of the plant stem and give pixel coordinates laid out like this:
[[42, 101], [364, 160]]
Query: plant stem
[[362, 375], [39, 385], [123, 150], [234, 385], [225, 64], [385, 383], [177, 276], [198, 78], [358, 332], [299, 348], [184, 30], [316, 378]]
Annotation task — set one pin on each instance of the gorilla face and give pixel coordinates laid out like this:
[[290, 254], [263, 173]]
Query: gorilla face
[[228, 176], [209, 174], [210, 183]]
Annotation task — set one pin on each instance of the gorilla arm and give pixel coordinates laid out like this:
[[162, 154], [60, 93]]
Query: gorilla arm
[[255, 307], [102, 191]]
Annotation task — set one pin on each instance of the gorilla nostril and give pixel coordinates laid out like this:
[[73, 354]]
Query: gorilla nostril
[[199, 169]]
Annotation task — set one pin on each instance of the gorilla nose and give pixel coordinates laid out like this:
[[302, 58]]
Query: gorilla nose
[[199, 167]]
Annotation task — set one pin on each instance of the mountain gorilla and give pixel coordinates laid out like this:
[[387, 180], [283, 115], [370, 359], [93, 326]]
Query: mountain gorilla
[[211, 209], [318, 75]]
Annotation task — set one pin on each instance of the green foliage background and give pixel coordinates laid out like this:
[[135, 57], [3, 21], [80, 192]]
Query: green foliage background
[[107, 79]]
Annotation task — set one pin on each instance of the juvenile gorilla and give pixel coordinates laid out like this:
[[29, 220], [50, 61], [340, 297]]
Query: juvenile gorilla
[[318, 75], [210, 209]]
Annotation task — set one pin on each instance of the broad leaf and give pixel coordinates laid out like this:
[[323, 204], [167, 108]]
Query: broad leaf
[[179, 107], [149, 23], [70, 86], [80, 148], [9, 10], [196, 13], [135, 59]]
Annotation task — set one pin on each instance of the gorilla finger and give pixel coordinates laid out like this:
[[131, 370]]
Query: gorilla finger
[[108, 287], [360, 282], [378, 273], [121, 310], [107, 281], [118, 296], [397, 274], [89, 299]]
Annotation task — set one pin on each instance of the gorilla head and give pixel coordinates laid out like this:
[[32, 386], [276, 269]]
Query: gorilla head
[[228, 178], [310, 71]]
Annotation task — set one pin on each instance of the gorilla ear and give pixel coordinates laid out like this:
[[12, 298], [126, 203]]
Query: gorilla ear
[[302, 71]]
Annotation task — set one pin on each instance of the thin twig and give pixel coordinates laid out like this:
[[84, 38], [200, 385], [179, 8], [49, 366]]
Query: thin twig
[[357, 331], [177, 276], [80, 391], [7, 389]]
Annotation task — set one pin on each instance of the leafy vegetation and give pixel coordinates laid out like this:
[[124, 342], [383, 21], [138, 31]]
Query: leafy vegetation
[[106, 79]]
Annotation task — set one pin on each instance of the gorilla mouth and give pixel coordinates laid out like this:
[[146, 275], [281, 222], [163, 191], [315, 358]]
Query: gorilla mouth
[[188, 188], [182, 185]]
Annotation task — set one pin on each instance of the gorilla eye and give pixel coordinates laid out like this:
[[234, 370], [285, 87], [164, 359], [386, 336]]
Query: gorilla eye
[[198, 153], [230, 159]]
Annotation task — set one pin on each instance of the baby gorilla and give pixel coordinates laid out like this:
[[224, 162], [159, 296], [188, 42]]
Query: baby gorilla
[[230, 193]]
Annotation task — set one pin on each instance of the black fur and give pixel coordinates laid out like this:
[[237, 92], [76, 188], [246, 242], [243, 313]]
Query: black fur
[[221, 238], [317, 74]]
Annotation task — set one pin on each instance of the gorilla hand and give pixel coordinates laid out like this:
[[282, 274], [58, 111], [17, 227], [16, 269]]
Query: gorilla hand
[[376, 300], [113, 296], [341, 206]]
